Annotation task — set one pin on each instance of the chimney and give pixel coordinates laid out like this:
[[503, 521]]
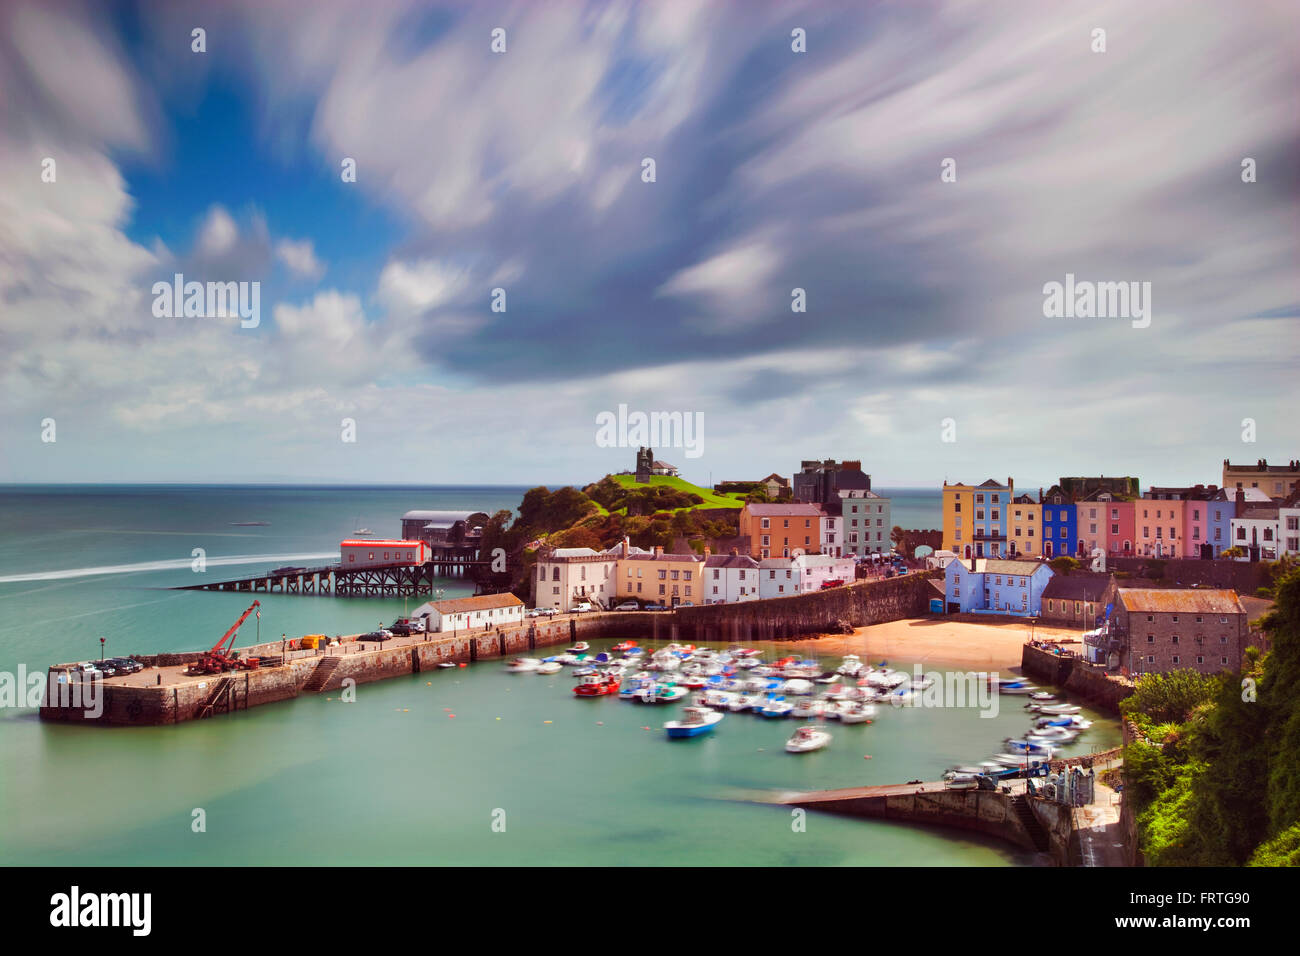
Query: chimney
[[972, 564], [1241, 498], [735, 552], [708, 552], [659, 550]]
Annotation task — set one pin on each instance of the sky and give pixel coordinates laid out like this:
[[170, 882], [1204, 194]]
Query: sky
[[920, 171]]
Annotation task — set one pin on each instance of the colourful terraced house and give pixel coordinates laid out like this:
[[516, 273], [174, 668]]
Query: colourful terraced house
[[975, 518], [1060, 523]]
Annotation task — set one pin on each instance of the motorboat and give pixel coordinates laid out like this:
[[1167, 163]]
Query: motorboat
[[694, 722], [446, 664], [1043, 748], [657, 693], [886, 678], [851, 666], [777, 707], [1042, 695], [523, 665], [596, 685], [580, 647], [798, 687], [744, 702], [808, 738], [1061, 734], [717, 699], [623, 646], [630, 689], [549, 667], [1018, 687], [854, 712], [1059, 709], [921, 683], [961, 781], [808, 707]]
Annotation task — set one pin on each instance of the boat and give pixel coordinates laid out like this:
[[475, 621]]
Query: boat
[[744, 702], [656, 693], [961, 781], [446, 664], [549, 667], [596, 685], [694, 722], [853, 712], [886, 678], [250, 524], [523, 665], [808, 707], [851, 666], [1042, 695], [1059, 709], [798, 687], [1042, 749], [776, 707], [622, 646], [1017, 687], [580, 647], [808, 738]]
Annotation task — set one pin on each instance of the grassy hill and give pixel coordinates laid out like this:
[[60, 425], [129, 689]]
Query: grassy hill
[[711, 499]]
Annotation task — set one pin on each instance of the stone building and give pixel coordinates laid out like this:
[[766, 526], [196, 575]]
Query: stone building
[[1167, 629]]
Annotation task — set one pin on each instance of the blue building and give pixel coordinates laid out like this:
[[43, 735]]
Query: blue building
[[1060, 524], [1220, 510], [993, 586], [990, 517]]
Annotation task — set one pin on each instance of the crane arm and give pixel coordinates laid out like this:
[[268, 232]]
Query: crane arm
[[219, 647]]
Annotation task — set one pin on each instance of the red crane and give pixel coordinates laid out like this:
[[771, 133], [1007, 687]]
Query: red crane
[[222, 658]]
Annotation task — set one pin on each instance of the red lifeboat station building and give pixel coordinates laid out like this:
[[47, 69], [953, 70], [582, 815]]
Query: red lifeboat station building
[[382, 552]]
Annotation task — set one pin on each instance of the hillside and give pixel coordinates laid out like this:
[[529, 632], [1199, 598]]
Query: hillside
[[711, 499]]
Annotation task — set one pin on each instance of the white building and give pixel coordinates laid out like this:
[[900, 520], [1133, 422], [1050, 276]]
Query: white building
[[832, 541], [1257, 528], [783, 577], [471, 613], [729, 578], [565, 577], [866, 522]]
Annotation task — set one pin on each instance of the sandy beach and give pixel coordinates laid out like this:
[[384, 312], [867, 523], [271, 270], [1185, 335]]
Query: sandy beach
[[979, 646]]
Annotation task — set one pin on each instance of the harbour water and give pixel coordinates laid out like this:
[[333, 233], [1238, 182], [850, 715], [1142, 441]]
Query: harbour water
[[522, 773]]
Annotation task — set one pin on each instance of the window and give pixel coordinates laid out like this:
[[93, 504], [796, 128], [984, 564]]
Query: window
[[765, 523], [352, 557], [1175, 658], [1151, 638]]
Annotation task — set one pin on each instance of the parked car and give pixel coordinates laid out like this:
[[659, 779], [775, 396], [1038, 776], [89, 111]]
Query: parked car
[[380, 636], [548, 611], [126, 665], [687, 604], [655, 607], [628, 606], [106, 668], [401, 629], [584, 607]]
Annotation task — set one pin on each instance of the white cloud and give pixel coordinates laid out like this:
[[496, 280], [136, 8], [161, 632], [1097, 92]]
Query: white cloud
[[300, 258]]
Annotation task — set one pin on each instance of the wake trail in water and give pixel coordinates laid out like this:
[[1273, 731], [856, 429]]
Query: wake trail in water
[[174, 564]]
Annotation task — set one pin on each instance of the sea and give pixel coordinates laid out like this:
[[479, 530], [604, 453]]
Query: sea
[[465, 766]]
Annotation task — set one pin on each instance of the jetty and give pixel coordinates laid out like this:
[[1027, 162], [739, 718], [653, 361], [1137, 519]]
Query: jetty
[[333, 580]]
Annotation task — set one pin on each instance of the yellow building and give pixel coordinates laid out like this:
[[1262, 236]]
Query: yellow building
[[975, 518], [659, 578], [1024, 527]]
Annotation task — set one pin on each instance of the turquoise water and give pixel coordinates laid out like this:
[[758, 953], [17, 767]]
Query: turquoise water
[[392, 778]]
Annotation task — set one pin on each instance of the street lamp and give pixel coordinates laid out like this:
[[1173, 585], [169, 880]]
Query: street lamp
[[101, 649]]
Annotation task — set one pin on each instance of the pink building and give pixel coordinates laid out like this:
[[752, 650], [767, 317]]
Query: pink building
[[1120, 523], [1159, 523]]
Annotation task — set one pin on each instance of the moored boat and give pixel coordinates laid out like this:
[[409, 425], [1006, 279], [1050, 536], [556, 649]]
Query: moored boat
[[596, 685], [694, 722], [523, 665], [808, 738]]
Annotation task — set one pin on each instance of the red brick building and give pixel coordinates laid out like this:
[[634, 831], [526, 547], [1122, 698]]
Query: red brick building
[[1168, 629]]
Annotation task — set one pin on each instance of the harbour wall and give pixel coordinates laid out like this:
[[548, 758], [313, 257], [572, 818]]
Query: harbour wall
[[290, 674], [1094, 684]]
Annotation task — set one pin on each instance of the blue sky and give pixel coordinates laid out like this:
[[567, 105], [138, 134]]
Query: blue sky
[[522, 170]]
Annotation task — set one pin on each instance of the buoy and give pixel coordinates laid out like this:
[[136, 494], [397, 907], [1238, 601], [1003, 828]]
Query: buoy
[[451, 715], [866, 756], [428, 683], [406, 710], [599, 723], [645, 728], [546, 721], [498, 718], [462, 665]]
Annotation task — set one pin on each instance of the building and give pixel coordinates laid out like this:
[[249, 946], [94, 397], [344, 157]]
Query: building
[[1288, 514], [1277, 481], [1091, 521], [1220, 510], [1167, 629], [1198, 524], [783, 577], [975, 518], [659, 578], [565, 577], [1060, 523], [1080, 489], [1121, 517], [1076, 599], [867, 522], [832, 541], [730, 578], [996, 586], [381, 552], [778, 530], [1257, 528], [1158, 521], [776, 486], [1024, 528], [820, 482], [471, 613], [440, 528]]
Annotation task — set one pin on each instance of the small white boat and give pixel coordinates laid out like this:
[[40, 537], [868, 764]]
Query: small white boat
[[961, 781], [580, 647], [1042, 695], [695, 721], [744, 702], [808, 707], [854, 712], [523, 665], [851, 666], [808, 738], [446, 664], [1059, 709], [549, 667]]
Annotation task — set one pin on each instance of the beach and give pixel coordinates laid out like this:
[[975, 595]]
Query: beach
[[995, 645]]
